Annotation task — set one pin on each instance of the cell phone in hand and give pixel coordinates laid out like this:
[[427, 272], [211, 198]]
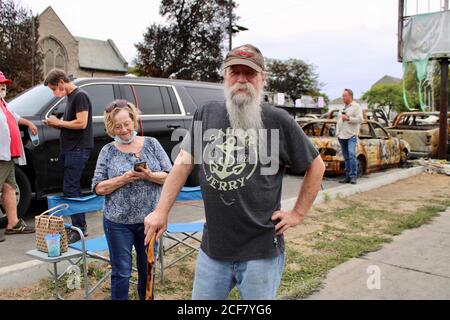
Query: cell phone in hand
[[140, 165]]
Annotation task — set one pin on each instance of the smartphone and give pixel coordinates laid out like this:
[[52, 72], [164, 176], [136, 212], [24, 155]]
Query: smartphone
[[139, 165]]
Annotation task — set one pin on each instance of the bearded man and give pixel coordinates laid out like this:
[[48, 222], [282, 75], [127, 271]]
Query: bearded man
[[242, 244]]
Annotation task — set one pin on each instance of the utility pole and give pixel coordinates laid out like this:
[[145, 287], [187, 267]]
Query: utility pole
[[443, 119], [33, 35], [230, 26], [401, 13]]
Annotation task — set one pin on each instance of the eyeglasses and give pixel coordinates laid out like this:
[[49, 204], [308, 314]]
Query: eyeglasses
[[120, 104]]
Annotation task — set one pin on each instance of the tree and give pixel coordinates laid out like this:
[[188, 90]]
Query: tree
[[20, 59], [189, 46], [412, 86], [293, 77], [389, 95]]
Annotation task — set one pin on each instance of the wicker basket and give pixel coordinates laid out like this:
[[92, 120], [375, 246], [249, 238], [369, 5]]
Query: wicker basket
[[48, 223]]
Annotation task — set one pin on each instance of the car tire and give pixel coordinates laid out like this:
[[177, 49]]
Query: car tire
[[361, 166], [403, 158], [23, 194]]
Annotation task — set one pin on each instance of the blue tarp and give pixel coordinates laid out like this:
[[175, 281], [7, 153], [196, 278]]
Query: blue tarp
[[189, 194]]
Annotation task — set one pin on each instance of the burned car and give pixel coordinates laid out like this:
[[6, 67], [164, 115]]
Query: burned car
[[376, 148], [420, 129]]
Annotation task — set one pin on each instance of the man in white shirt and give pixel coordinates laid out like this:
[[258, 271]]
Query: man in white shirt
[[348, 126]]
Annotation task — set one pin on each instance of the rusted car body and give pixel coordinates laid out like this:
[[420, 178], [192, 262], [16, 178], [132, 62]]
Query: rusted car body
[[376, 148], [305, 119], [421, 130]]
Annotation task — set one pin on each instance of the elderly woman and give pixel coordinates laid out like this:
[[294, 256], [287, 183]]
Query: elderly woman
[[131, 192]]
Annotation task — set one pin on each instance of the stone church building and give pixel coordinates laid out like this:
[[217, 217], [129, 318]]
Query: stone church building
[[80, 57]]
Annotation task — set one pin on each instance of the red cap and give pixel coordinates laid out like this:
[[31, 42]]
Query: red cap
[[3, 79]]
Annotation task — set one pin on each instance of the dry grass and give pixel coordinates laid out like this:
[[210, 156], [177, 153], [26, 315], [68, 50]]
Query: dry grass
[[334, 232]]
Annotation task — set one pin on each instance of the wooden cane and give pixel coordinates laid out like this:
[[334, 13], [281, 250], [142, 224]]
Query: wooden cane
[[151, 269]]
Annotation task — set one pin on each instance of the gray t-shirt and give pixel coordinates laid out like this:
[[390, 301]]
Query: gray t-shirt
[[241, 187]]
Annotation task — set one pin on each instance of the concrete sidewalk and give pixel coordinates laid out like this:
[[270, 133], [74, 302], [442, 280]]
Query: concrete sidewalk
[[416, 265]]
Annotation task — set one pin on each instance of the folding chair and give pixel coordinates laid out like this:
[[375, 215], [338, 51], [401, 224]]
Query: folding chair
[[186, 230], [73, 257], [82, 249]]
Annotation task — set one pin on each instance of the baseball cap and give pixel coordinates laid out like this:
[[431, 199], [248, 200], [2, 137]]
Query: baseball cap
[[3, 79], [247, 55]]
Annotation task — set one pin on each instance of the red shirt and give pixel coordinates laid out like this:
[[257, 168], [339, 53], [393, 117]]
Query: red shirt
[[16, 141]]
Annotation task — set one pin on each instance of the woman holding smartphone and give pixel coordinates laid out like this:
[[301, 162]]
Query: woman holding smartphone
[[130, 173]]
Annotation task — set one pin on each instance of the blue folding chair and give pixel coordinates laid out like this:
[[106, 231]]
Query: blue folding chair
[[84, 248], [186, 230]]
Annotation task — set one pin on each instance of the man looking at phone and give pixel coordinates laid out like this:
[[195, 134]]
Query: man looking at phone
[[347, 128], [76, 139]]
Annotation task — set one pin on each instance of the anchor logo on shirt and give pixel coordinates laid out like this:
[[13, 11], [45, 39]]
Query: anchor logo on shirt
[[228, 165]]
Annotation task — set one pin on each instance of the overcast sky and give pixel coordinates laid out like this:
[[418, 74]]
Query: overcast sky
[[353, 43]]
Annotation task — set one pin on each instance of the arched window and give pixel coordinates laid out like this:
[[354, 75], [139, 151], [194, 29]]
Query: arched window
[[49, 63], [55, 55], [60, 62]]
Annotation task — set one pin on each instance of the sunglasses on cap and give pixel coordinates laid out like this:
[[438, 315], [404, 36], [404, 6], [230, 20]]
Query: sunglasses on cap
[[120, 104]]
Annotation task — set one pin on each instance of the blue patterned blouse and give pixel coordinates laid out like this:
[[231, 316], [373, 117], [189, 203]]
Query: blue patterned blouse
[[131, 203]]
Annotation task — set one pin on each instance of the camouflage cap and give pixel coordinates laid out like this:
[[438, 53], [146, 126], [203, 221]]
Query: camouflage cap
[[246, 55]]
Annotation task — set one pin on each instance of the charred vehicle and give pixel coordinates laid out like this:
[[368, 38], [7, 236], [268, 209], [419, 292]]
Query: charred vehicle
[[376, 148], [421, 130]]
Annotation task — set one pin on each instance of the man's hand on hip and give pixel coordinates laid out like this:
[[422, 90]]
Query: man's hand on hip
[[287, 219]]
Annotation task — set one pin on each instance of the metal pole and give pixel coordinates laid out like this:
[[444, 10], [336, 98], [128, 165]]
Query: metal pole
[[230, 27], [401, 11], [32, 50], [443, 119]]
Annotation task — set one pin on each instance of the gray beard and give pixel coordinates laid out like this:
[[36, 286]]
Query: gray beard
[[244, 112]]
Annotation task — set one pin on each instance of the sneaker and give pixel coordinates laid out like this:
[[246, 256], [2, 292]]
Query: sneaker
[[20, 227], [2, 235], [353, 180], [345, 180]]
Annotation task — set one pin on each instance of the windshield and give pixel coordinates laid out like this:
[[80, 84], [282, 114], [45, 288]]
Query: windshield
[[31, 101]]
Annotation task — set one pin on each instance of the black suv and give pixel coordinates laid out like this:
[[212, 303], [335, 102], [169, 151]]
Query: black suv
[[165, 105]]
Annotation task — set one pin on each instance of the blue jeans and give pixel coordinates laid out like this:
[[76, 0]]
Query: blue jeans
[[73, 162], [121, 238], [348, 147], [255, 279]]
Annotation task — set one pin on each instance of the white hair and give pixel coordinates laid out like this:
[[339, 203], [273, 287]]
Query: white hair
[[244, 108]]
